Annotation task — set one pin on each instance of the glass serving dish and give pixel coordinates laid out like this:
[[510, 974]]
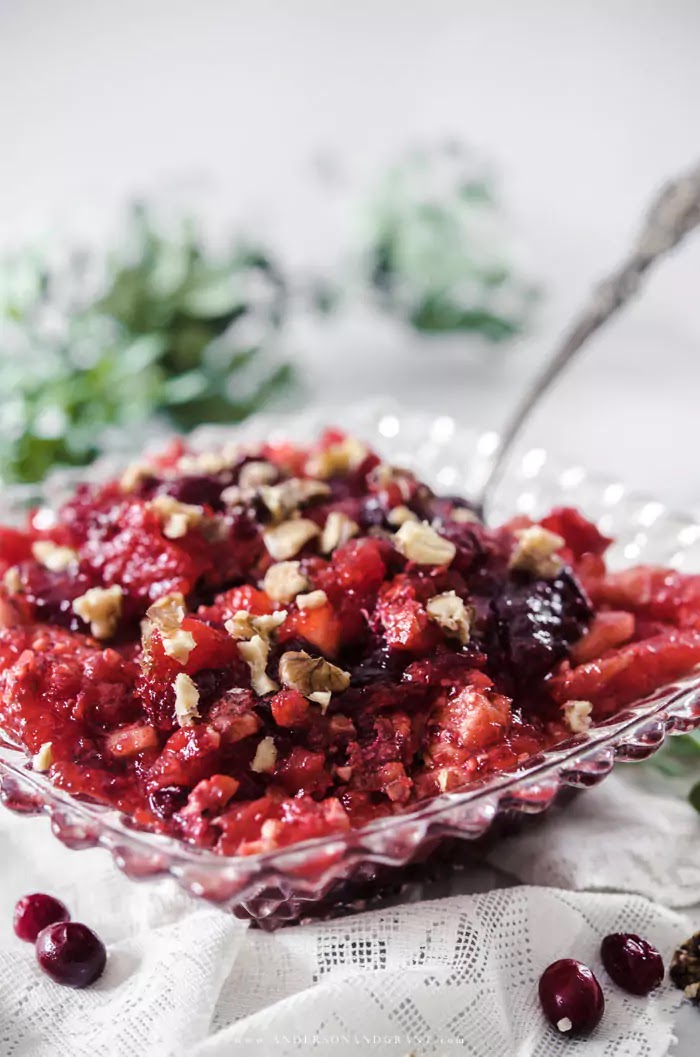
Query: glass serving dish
[[315, 875]]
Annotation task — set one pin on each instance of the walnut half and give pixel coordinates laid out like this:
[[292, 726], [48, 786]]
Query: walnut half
[[311, 675], [685, 968]]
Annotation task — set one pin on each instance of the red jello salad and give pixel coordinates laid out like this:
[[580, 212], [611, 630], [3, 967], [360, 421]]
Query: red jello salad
[[245, 648]]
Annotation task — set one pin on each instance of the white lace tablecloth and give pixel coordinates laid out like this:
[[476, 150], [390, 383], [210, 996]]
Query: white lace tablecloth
[[435, 978]]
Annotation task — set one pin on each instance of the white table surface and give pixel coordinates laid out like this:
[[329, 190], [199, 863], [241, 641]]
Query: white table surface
[[585, 107]]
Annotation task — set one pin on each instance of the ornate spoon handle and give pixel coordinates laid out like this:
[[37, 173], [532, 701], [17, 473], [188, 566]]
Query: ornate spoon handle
[[672, 215]]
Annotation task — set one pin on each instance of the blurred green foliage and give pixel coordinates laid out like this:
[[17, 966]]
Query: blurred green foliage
[[679, 758], [162, 330], [437, 253], [99, 349]]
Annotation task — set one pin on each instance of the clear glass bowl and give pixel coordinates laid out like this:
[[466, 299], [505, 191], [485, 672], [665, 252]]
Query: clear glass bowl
[[319, 874]]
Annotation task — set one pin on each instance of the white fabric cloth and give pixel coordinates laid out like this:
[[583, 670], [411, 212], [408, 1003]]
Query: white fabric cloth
[[435, 978], [617, 836]]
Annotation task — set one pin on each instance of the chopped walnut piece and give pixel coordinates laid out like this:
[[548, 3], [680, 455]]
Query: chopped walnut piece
[[322, 698], [577, 715], [464, 516], [177, 518], [285, 498], [535, 552], [451, 614], [338, 529], [265, 757], [208, 462], [44, 757], [241, 625], [178, 644], [314, 600], [101, 608], [337, 459], [286, 540], [134, 475], [284, 581], [254, 474], [186, 700], [168, 612], [399, 515], [421, 544], [245, 625], [268, 623], [12, 581], [53, 557], [384, 475], [308, 675], [685, 968], [448, 778], [255, 654], [233, 496]]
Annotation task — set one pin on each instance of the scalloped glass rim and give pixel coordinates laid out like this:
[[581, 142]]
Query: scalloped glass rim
[[281, 885]]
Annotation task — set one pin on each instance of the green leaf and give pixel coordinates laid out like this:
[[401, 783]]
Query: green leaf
[[433, 255], [155, 343], [694, 797], [213, 297], [685, 746]]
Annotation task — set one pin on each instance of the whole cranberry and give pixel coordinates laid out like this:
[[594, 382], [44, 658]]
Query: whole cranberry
[[71, 953], [632, 963], [571, 997], [34, 912]]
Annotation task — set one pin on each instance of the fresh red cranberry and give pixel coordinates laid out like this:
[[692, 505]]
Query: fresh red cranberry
[[71, 953], [632, 963], [34, 912], [571, 997]]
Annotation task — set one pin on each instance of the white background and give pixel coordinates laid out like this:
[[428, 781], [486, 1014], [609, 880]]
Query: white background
[[585, 106]]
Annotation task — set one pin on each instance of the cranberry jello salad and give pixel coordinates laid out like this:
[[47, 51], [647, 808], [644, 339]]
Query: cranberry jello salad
[[247, 648]]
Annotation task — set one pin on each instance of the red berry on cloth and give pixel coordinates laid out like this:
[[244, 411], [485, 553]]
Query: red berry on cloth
[[71, 954], [632, 963], [34, 912], [571, 997]]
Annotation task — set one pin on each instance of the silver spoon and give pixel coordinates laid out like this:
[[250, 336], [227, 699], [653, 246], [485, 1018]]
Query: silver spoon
[[673, 214]]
